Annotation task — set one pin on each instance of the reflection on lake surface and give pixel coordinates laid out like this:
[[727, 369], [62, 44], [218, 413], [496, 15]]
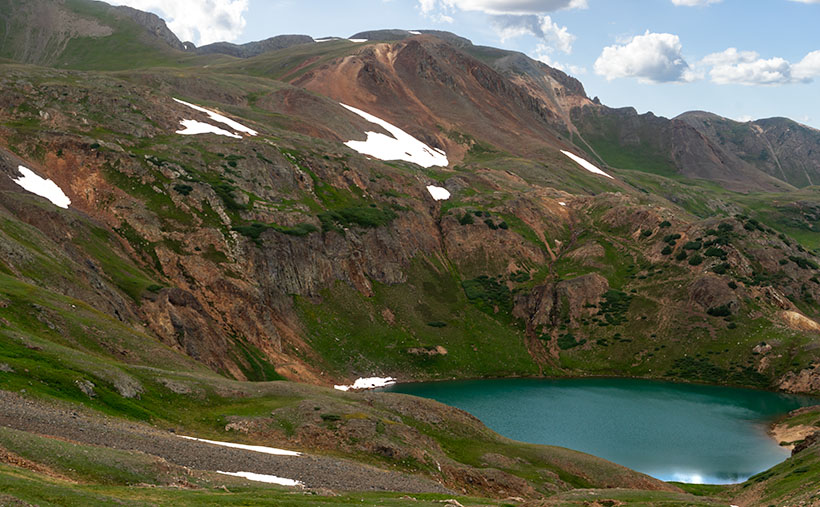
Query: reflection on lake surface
[[674, 432]]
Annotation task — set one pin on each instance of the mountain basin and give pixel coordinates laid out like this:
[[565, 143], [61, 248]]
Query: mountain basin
[[673, 432]]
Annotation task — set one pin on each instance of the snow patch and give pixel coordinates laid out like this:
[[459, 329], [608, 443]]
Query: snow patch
[[438, 193], [193, 127], [358, 41], [562, 203], [270, 479], [324, 40], [254, 448], [586, 165], [402, 146], [414, 32], [368, 383], [236, 126], [42, 187]]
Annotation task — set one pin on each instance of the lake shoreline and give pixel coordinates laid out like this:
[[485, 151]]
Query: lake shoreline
[[636, 422]]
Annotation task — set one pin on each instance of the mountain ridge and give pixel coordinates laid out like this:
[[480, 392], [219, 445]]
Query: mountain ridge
[[192, 274]]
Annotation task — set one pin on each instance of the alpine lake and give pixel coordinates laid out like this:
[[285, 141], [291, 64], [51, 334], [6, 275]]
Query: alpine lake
[[673, 432]]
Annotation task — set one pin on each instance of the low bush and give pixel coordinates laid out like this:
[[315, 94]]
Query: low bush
[[720, 311]]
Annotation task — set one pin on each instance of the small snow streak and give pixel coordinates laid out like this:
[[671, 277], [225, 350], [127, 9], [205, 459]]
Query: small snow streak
[[401, 146], [270, 479], [586, 165], [368, 383], [236, 126], [42, 187], [254, 448], [438, 193], [193, 127]]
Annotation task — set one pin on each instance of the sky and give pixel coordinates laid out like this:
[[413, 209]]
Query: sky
[[743, 59]]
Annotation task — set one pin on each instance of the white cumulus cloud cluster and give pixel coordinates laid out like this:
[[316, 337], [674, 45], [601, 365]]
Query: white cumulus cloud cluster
[[199, 21], [651, 57], [748, 68], [516, 18], [502, 6], [658, 58]]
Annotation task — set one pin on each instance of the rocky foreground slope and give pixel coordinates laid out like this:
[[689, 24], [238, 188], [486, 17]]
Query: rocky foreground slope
[[273, 250]]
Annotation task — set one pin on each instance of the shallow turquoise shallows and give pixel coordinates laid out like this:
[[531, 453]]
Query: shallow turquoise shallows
[[674, 432]]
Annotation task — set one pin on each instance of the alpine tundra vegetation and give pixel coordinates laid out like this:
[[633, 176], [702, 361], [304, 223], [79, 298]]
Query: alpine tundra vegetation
[[210, 255]]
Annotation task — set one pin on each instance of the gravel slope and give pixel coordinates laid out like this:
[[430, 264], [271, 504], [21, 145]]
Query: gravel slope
[[314, 471]]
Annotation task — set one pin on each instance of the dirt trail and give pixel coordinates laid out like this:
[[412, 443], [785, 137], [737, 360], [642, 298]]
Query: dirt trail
[[314, 471]]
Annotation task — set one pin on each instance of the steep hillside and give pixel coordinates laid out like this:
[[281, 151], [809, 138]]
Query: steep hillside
[[627, 140], [218, 228], [780, 147]]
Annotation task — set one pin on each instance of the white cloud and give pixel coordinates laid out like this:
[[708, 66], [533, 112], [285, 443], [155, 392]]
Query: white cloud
[[651, 58], [808, 67], [553, 36], [503, 6], [694, 3], [544, 55], [807, 1], [748, 68], [199, 21]]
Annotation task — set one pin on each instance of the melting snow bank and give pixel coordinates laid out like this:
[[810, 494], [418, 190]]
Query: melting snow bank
[[438, 193], [236, 126], [270, 479], [193, 127], [358, 41], [402, 146], [368, 383], [586, 165], [254, 448], [42, 187]]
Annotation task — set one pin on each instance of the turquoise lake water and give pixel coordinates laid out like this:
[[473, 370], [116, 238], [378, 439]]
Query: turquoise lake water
[[674, 432]]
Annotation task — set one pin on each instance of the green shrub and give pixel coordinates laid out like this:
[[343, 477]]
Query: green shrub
[[646, 233], [714, 252], [665, 224], [466, 219], [361, 216], [721, 269], [491, 224], [695, 260], [726, 228], [693, 245], [803, 262], [670, 238], [331, 417], [520, 277], [720, 311], [503, 225], [254, 230], [183, 189], [568, 341], [487, 293], [783, 262], [615, 306], [681, 255], [437, 324], [667, 250]]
